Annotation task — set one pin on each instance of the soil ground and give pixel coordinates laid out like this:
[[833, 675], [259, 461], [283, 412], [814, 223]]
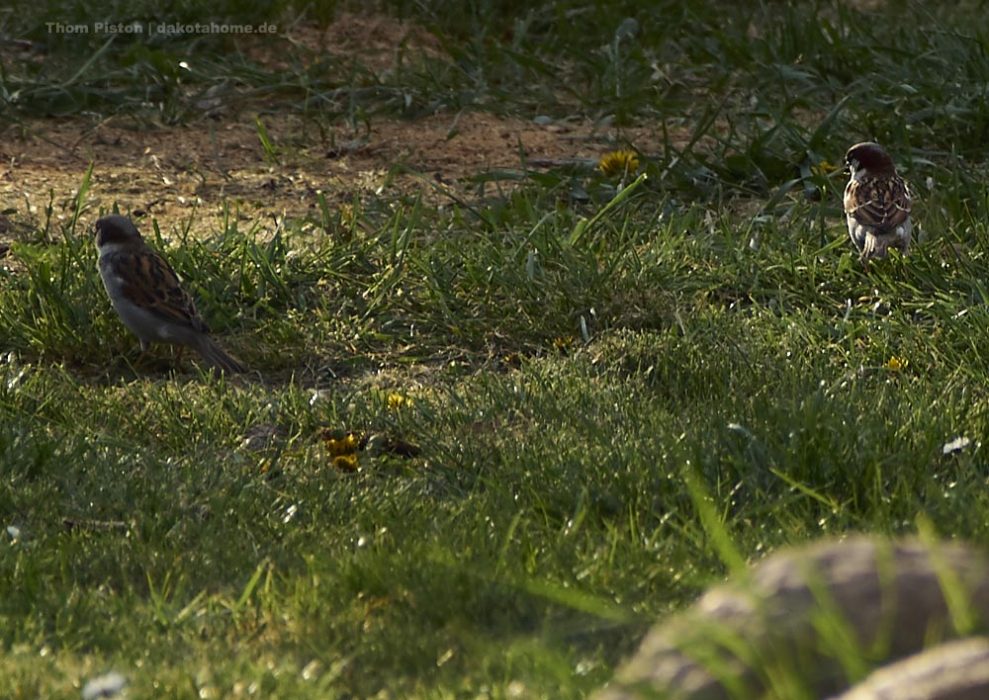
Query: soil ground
[[197, 169]]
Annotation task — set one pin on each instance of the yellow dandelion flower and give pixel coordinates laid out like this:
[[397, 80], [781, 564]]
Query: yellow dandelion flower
[[823, 168], [347, 445], [564, 342], [346, 463], [895, 363], [623, 162], [396, 401]]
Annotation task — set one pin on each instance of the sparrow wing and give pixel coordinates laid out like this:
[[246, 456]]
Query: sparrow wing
[[149, 281], [881, 203]]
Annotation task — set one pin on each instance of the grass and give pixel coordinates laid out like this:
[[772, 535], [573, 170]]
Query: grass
[[614, 396]]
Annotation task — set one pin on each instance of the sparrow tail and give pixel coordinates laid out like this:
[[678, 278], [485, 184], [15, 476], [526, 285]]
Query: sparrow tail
[[218, 357]]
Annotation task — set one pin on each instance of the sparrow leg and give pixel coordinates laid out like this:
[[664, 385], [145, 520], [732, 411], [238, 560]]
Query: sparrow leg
[[866, 253], [142, 356]]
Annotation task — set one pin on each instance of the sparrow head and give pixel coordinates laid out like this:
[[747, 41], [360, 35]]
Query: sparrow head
[[870, 157], [116, 230]]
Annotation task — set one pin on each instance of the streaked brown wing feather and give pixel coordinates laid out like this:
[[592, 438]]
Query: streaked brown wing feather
[[880, 203], [155, 287]]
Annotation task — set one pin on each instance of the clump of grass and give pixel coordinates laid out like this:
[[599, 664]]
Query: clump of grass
[[698, 369]]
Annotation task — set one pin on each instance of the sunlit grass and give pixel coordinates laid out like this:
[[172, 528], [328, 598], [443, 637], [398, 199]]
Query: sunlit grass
[[486, 443]]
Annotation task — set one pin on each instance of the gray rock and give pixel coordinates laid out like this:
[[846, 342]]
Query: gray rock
[[954, 671], [804, 612]]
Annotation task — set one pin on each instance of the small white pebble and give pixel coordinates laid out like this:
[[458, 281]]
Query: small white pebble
[[319, 395], [956, 445], [108, 685]]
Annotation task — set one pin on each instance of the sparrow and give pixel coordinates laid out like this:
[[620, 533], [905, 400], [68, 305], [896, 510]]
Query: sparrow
[[877, 202], [147, 295]]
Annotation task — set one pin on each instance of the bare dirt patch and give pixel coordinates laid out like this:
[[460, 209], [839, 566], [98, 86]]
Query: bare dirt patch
[[377, 42], [199, 170]]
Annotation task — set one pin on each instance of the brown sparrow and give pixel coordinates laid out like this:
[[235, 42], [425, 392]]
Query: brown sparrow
[[147, 295], [877, 202]]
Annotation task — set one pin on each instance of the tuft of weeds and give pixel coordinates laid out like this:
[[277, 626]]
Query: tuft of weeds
[[614, 386]]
